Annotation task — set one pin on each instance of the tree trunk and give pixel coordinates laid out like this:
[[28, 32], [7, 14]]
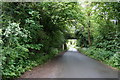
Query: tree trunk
[[89, 34]]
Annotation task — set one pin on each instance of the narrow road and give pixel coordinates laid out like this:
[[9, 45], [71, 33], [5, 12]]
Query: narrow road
[[72, 65]]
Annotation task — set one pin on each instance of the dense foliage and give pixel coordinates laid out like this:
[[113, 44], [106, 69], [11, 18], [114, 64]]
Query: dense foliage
[[101, 29], [33, 33], [108, 57]]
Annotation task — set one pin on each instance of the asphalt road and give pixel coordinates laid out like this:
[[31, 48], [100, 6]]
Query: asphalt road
[[72, 65]]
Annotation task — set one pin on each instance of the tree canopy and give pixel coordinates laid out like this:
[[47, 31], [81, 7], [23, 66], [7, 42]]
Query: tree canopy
[[34, 32]]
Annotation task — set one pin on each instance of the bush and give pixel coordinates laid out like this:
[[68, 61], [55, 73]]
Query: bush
[[115, 60], [108, 57], [17, 60], [33, 34], [53, 51]]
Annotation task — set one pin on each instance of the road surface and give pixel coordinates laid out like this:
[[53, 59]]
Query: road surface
[[72, 65]]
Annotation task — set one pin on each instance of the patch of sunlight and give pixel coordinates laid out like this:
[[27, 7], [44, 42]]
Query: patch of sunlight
[[72, 49], [71, 45]]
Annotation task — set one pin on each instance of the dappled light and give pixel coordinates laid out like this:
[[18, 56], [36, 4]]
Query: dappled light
[[71, 44]]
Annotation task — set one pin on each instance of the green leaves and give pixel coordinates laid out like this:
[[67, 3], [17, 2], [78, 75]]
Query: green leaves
[[100, 26], [34, 14], [33, 33], [54, 51], [115, 60], [108, 57], [12, 34], [13, 28], [34, 46]]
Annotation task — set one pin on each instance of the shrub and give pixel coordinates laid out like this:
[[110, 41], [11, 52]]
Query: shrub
[[108, 57], [115, 60], [53, 51]]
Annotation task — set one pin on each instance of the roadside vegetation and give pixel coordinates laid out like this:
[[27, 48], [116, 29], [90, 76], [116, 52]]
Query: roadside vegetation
[[33, 33], [99, 33]]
